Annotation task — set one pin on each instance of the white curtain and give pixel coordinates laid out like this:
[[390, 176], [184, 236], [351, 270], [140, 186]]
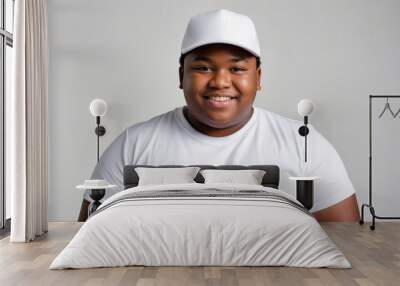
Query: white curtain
[[28, 123]]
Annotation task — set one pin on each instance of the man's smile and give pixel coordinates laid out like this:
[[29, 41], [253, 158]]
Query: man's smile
[[220, 101]]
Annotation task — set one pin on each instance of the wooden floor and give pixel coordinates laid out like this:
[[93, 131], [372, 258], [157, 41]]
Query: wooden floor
[[374, 255]]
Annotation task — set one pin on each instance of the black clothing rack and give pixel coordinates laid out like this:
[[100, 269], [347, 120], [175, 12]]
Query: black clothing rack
[[369, 205]]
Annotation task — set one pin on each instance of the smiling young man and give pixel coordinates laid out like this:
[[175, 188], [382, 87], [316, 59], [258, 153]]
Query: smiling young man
[[219, 82], [220, 74]]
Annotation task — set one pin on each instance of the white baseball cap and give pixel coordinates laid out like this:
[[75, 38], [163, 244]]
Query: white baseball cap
[[221, 26]]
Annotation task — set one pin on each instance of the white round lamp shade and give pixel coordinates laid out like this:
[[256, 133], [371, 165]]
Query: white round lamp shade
[[305, 107], [98, 107]]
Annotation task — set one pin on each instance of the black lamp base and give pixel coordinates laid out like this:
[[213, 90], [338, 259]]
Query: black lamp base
[[96, 195], [305, 193]]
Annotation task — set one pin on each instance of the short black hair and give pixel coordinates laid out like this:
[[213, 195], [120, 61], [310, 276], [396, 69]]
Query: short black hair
[[182, 58]]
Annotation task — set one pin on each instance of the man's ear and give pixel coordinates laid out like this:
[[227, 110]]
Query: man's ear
[[258, 78], [181, 77]]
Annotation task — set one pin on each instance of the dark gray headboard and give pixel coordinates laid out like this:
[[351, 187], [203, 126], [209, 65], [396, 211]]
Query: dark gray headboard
[[270, 179]]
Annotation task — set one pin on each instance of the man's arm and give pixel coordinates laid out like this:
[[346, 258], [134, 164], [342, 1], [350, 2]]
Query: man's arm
[[346, 210], [334, 193], [83, 213]]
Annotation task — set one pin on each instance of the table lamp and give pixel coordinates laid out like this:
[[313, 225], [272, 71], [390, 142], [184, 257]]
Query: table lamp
[[97, 190]]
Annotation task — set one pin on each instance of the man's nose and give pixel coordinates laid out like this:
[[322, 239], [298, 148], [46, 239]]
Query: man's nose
[[221, 79]]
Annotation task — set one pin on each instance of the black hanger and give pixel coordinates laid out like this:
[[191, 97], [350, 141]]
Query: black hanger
[[398, 112], [387, 107]]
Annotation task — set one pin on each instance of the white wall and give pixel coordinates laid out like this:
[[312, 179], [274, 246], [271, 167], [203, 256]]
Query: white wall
[[126, 52]]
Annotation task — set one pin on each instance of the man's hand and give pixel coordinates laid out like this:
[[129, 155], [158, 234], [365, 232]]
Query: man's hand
[[346, 210]]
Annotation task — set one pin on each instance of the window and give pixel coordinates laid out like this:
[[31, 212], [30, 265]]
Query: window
[[6, 60]]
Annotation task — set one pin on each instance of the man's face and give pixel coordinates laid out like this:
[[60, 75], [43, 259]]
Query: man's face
[[220, 82]]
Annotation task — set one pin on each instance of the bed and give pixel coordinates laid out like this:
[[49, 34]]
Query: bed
[[201, 224]]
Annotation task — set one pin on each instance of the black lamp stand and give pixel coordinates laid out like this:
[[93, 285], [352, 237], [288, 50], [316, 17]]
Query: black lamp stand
[[97, 194], [303, 131], [100, 131], [305, 188]]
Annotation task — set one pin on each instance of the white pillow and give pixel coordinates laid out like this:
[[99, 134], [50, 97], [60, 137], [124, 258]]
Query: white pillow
[[161, 176], [249, 177]]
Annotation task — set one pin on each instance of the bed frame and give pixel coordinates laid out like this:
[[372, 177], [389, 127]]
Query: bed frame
[[131, 178]]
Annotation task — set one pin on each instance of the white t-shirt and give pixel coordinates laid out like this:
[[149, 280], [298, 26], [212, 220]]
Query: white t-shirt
[[266, 139]]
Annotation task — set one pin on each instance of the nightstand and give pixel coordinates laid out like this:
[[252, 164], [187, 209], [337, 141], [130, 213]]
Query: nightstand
[[97, 189], [305, 190]]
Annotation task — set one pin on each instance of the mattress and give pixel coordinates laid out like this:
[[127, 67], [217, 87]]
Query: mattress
[[201, 225]]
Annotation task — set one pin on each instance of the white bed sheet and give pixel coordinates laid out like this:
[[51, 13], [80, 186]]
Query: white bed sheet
[[200, 231]]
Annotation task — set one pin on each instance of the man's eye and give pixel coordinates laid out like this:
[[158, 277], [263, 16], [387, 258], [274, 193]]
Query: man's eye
[[238, 69], [203, 68]]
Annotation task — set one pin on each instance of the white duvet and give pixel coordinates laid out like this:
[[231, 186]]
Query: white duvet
[[181, 231]]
